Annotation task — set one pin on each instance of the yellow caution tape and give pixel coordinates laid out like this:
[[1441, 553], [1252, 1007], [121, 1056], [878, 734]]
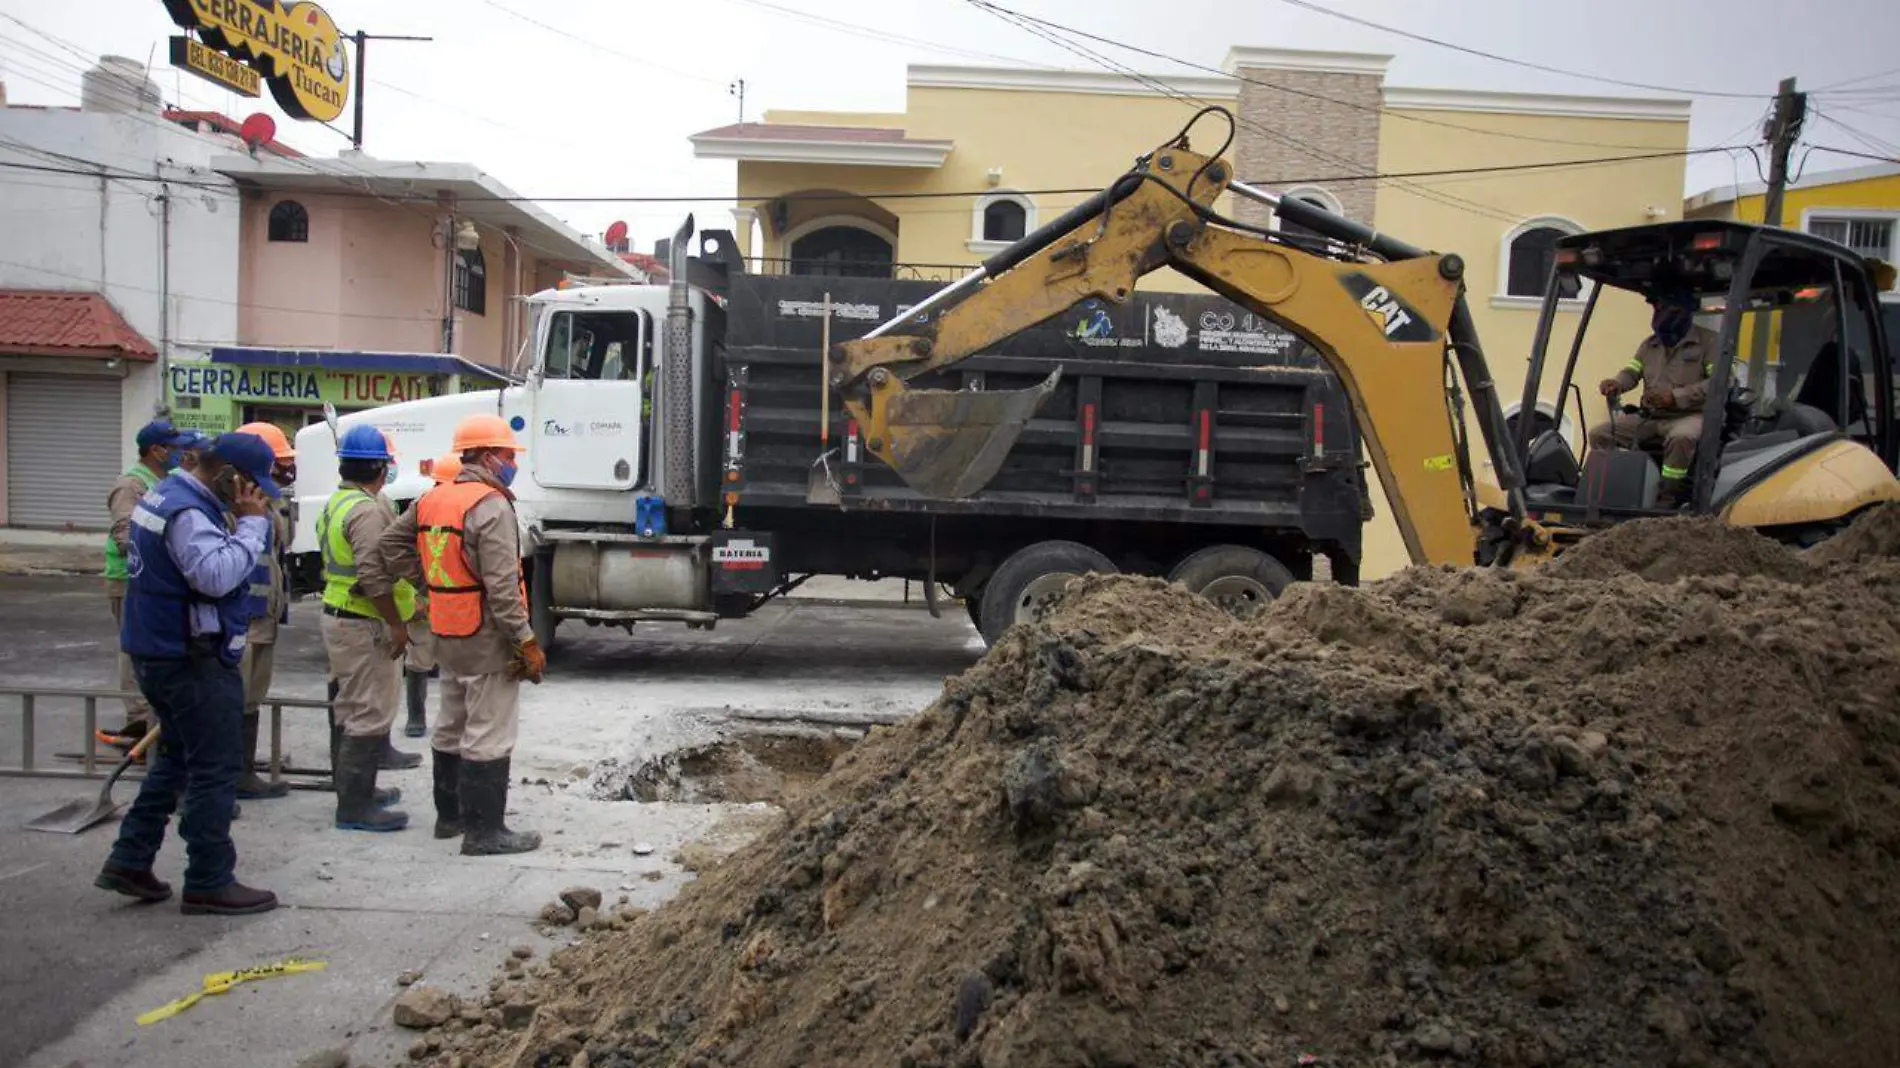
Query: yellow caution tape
[[219, 982]]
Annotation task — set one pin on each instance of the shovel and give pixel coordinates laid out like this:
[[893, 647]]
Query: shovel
[[820, 486], [76, 816]]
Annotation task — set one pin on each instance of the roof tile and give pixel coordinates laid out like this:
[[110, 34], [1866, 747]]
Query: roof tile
[[64, 322]]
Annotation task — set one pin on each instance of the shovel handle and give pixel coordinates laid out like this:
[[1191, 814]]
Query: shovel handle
[[144, 743]]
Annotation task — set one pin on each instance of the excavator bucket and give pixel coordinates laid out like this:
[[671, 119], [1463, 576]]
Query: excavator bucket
[[950, 443]]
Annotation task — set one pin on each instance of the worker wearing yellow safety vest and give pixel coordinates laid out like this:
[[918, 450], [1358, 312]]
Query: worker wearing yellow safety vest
[[159, 444], [462, 540], [365, 647]]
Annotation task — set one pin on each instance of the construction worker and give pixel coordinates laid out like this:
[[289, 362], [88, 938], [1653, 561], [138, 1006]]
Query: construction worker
[[158, 447], [186, 613], [270, 607], [418, 665], [462, 542], [1673, 365], [364, 650]]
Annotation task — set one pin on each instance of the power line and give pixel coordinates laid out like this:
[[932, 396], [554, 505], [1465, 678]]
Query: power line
[[1831, 86], [1857, 155], [1878, 144], [871, 33], [176, 295], [1308, 5], [598, 47]]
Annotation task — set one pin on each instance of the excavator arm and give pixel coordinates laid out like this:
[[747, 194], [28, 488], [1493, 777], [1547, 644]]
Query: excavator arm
[[1385, 328]]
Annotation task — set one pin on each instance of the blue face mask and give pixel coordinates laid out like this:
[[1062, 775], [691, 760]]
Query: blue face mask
[[505, 471]]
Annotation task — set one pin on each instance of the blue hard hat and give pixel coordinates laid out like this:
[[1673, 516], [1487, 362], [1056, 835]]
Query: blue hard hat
[[251, 455], [363, 443], [160, 432]]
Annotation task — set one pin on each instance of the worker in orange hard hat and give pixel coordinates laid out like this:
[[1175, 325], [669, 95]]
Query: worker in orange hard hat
[[270, 608], [462, 541], [418, 665]]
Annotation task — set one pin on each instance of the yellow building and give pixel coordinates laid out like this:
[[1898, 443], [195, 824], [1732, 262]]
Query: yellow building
[[972, 161]]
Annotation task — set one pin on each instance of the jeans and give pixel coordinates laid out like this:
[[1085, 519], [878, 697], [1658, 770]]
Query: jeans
[[199, 705]]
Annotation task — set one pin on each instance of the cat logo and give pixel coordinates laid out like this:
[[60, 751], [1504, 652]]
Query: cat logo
[[1396, 319]]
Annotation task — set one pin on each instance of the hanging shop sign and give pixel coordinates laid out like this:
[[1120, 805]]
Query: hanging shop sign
[[189, 53], [296, 48]]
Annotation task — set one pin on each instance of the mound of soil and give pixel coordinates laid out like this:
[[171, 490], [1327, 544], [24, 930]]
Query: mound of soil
[[1479, 817], [1664, 550], [1875, 534]]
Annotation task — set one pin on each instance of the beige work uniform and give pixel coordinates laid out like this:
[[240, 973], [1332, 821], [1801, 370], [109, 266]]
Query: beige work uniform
[[481, 706], [369, 679], [1683, 370], [260, 641], [120, 501], [421, 655]]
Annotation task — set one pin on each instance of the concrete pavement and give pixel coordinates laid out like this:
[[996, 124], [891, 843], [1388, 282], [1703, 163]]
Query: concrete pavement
[[78, 965]]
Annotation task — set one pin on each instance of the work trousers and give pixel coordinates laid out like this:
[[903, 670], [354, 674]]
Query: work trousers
[[421, 655], [137, 710], [1679, 436], [260, 663], [480, 716], [198, 703], [368, 679]]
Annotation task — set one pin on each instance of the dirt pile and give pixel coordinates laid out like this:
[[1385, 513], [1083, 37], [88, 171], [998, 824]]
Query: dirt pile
[[1663, 550], [1453, 817], [1874, 535]]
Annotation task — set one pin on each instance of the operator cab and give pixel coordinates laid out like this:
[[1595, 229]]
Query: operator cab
[[1799, 362]]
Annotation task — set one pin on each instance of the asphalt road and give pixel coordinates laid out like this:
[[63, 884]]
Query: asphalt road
[[77, 964]]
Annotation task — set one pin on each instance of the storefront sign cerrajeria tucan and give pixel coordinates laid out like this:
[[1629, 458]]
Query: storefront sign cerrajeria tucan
[[296, 48]]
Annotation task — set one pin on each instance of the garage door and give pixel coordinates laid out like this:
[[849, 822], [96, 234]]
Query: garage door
[[64, 449]]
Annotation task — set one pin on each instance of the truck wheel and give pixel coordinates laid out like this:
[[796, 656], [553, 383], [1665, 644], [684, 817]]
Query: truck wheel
[[541, 600], [1238, 579], [1021, 590]]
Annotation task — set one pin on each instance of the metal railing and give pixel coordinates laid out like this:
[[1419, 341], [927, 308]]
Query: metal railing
[[90, 760], [819, 268]]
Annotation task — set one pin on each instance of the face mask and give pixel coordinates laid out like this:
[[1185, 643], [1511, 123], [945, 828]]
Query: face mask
[[505, 471], [1671, 324], [169, 461]]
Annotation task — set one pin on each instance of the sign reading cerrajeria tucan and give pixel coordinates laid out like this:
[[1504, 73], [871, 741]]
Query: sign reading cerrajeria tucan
[[296, 47]]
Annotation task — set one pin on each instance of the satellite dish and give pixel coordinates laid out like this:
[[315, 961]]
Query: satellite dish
[[617, 236], [257, 130]]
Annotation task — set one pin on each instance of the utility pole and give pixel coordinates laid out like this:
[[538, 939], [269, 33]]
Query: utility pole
[[362, 41], [1781, 131], [737, 88]]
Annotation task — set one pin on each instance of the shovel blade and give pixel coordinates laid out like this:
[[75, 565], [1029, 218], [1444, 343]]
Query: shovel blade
[[75, 816], [951, 443]]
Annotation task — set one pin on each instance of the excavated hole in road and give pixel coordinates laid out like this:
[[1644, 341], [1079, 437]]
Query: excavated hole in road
[[772, 765]]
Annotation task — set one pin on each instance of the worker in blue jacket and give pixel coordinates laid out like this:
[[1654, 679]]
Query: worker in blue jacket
[[187, 608]]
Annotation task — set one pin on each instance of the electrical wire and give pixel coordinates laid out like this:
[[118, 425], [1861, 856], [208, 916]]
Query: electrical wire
[[874, 34], [598, 47], [1856, 155], [1878, 144]]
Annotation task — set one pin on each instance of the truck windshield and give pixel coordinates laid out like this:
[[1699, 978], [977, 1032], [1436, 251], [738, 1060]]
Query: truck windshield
[[593, 345]]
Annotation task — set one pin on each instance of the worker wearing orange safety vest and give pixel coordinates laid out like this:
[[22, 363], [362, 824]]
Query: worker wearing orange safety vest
[[418, 665], [462, 542]]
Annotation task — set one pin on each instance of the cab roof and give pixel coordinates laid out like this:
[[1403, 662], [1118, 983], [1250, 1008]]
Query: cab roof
[[1702, 255]]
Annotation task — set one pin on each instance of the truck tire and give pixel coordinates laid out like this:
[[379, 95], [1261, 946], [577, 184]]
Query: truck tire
[[1238, 579], [541, 617], [1021, 589]]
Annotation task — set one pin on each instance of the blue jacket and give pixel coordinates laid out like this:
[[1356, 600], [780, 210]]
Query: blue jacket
[[158, 599]]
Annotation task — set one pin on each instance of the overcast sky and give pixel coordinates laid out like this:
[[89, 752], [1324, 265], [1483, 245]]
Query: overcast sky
[[601, 98]]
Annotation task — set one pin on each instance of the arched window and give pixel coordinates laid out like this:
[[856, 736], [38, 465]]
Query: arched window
[[1529, 250], [843, 252], [289, 222], [999, 219], [471, 281]]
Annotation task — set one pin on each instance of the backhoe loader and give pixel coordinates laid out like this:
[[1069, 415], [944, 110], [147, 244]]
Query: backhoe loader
[[1391, 321]]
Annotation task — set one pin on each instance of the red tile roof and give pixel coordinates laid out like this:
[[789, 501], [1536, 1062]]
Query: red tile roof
[[777, 131], [61, 322]]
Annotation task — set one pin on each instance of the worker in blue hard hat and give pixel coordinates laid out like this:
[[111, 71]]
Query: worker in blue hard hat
[[159, 444], [365, 652], [187, 611]]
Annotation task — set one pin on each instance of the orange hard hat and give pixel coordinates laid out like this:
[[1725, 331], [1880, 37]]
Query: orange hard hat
[[445, 467], [273, 436], [484, 431]]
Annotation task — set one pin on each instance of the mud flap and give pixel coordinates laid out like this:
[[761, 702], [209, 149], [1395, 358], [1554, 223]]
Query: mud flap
[[743, 562], [951, 443]]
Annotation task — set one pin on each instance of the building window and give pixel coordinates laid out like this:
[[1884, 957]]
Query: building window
[[1529, 251], [1869, 236], [999, 219], [289, 222], [842, 252], [471, 282]]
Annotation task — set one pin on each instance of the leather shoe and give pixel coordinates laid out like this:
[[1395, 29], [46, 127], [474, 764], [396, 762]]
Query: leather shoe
[[140, 884], [232, 899]]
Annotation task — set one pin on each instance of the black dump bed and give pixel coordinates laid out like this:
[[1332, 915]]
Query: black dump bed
[[1172, 409]]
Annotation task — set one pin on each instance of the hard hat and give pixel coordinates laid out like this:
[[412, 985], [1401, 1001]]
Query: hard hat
[[485, 431], [363, 443], [445, 467], [273, 436], [249, 454], [160, 432]]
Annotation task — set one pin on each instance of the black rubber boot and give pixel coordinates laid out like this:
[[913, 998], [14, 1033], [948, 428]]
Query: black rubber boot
[[385, 795], [250, 785], [1672, 493], [394, 759], [448, 798], [356, 807], [484, 790], [417, 686]]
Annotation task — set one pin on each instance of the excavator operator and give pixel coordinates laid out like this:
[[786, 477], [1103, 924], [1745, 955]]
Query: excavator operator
[[1673, 365]]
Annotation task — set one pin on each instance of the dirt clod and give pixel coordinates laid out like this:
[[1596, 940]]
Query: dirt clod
[[557, 914], [580, 897], [424, 1006], [1527, 820]]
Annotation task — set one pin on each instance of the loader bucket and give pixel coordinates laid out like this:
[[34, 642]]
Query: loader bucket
[[950, 443]]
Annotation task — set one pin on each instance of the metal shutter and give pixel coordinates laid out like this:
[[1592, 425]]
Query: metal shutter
[[64, 449]]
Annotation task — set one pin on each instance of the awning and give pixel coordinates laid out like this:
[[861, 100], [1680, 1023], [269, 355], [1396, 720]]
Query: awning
[[60, 322], [423, 363]]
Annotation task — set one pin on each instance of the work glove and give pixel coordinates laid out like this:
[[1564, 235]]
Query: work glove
[[529, 662]]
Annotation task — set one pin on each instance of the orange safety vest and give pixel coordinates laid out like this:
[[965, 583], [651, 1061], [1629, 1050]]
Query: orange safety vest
[[455, 592]]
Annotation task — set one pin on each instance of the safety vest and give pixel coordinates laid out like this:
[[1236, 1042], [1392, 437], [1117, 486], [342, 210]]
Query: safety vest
[[455, 592], [158, 599], [339, 561], [115, 563], [258, 590]]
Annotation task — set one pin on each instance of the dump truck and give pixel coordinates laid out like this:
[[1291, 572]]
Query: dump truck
[[686, 461]]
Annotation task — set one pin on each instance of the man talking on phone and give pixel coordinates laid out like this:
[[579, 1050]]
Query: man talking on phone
[[185, 619]]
